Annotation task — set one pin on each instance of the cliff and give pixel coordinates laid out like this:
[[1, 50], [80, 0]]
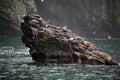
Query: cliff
[[88, 18], [52, 44], [11, 14]]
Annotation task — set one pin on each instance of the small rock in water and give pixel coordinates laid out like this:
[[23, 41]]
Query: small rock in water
[[52, 44]]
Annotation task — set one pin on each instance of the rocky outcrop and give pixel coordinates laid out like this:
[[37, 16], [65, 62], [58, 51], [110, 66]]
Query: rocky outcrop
[[52, 44]]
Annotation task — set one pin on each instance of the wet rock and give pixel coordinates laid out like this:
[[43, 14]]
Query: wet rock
[[52, 44]]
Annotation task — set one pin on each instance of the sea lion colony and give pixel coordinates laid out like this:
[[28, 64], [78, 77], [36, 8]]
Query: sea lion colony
[[51, 44]]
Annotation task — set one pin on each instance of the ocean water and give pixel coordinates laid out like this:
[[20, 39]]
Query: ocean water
[[16, 64]]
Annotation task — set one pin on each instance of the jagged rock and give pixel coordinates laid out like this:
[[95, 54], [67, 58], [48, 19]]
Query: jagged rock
[[49, 43]]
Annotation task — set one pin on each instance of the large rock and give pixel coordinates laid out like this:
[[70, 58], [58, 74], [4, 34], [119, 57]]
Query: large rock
[[52, 44]]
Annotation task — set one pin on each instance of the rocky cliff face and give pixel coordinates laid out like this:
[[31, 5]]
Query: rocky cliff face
[[88, 18], [11, 13], [52, 44]]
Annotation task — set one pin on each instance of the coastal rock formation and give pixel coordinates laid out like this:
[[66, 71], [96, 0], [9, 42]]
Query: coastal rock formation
[[52, 44]]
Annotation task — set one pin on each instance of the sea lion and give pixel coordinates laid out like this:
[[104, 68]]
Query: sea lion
[[103, 55]]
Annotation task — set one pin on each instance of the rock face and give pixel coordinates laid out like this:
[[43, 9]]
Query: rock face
[[11, 13], [91, 18], [52, 44]]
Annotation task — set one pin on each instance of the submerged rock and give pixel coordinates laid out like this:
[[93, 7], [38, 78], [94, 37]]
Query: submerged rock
[[52, 44]]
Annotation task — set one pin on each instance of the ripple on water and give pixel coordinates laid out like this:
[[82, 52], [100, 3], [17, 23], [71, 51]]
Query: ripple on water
[[16, 64]]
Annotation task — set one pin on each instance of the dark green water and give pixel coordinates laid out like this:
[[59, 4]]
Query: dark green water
[[16, 64]]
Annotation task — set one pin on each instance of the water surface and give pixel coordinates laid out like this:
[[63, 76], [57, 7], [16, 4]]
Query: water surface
[[16, 64]]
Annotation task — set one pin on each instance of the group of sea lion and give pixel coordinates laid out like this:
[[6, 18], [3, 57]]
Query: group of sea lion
[[59, 43]]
